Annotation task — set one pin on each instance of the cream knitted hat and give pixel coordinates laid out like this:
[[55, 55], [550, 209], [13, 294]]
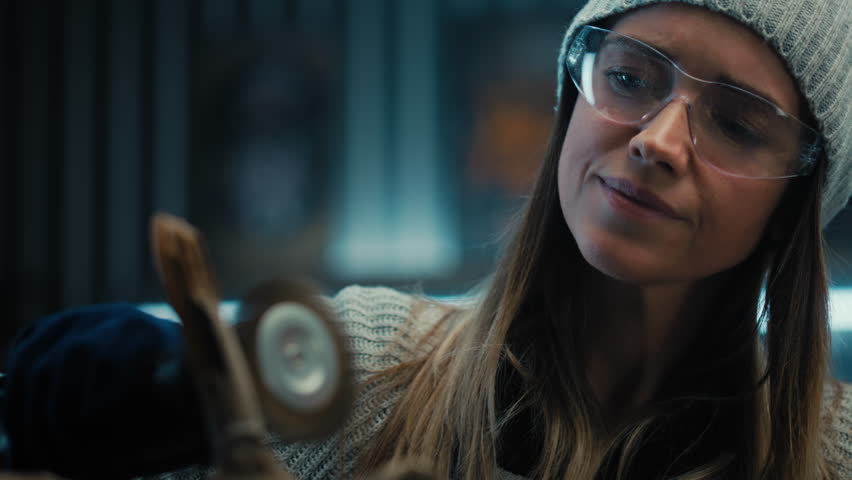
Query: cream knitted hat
[[814, 37]]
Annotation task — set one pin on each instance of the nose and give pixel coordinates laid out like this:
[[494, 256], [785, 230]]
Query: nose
[[665, 138]]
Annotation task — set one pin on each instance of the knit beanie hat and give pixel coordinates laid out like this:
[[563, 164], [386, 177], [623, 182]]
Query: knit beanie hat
[[813, 37]]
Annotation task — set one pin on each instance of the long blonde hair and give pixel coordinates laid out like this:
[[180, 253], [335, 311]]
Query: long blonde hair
[[741, 405]]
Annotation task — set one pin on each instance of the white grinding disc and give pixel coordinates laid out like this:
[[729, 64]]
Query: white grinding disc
[[296, 356]]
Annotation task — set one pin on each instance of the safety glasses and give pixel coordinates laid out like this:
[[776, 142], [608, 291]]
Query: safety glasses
[[736, 131]]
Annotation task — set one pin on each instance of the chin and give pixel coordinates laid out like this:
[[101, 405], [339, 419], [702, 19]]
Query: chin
[[630, 264], [614, 268]]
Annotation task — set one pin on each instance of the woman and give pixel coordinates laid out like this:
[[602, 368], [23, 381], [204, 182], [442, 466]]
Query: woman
[[697, 152], [619, 335]]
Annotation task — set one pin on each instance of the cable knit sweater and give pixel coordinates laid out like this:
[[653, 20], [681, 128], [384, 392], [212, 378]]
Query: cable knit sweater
[[371, 318]]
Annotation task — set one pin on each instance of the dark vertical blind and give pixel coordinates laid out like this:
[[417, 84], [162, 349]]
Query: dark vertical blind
[[79, 135], [96, 102], [8, 167], [81, 118], [36, 171]]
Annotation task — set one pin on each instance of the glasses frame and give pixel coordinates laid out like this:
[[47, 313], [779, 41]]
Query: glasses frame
[[809, 151]]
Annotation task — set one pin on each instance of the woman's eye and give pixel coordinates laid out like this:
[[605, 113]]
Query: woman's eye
[[635, 86], [625, 81], [739, 130]]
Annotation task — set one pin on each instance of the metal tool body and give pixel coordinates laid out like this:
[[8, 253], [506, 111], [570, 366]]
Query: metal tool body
[[297, 358]]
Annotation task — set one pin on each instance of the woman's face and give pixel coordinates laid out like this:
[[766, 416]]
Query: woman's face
[[711, 221]]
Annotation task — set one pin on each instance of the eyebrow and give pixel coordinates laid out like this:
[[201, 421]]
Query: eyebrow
[[723, 78], [621, 39], [635, 44]]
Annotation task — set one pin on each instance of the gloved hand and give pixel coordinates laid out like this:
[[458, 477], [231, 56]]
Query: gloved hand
[[101, 392]]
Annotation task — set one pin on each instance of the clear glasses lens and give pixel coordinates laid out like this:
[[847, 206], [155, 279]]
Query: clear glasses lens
[[740, 133]]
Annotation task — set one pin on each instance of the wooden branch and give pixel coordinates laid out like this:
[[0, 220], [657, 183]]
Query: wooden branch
[[216, 362]]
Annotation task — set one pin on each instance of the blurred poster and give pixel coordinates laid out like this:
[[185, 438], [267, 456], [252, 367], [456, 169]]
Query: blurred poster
[[263, 153], [503, 77]]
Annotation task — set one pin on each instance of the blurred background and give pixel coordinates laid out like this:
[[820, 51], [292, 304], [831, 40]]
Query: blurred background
[[353, 141]]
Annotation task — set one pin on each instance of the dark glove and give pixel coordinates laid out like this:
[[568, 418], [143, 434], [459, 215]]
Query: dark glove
[[101, 393]]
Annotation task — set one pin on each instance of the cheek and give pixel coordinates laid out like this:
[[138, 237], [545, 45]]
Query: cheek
[[575, 158], [573, 165], [588, 140], [734, 219]]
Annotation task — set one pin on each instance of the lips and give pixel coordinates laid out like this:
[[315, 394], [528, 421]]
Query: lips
[[640, 196]]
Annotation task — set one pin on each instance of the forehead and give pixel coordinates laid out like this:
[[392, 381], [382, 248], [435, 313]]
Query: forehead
[[713, 46]]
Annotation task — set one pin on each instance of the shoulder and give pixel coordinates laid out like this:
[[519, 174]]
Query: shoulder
[[378, 310], [382, 326], [372, 320], [837, 428]]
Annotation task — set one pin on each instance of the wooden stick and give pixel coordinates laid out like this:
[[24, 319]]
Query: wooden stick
[[234, 418]]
